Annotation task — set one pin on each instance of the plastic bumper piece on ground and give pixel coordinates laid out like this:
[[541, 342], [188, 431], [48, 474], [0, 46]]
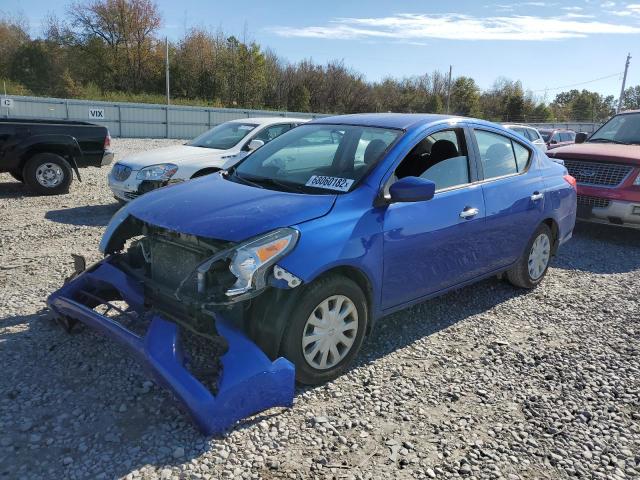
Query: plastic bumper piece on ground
[[249, 381]]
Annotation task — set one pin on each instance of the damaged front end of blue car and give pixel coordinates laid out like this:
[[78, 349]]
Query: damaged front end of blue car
[[154, 285]]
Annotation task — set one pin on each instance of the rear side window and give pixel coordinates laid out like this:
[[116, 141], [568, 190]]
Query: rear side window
[[500, 155]]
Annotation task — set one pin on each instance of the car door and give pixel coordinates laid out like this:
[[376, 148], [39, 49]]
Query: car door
[[431, 245], [513, 192]]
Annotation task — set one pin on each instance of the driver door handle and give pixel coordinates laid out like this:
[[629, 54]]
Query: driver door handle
[[469, 212], [537, 196]]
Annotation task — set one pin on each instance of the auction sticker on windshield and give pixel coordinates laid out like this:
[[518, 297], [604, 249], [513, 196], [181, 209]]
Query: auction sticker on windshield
[[331, 183]]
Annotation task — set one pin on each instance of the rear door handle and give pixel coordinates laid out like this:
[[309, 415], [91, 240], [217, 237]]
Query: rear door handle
[[469, 212], [537, 196]]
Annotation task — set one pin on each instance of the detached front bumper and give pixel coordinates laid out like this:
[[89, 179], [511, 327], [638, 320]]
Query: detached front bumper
[[249, 381]]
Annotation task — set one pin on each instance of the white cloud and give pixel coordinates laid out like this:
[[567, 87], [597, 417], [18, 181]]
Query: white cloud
[[572, 9], [608, 4], [415, 27]]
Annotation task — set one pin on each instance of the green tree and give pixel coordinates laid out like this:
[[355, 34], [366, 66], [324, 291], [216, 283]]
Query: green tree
[[33, 67], [631, 98], [299, 99], [465, 97]]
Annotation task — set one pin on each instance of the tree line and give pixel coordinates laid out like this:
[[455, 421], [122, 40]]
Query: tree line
[[111, 50]]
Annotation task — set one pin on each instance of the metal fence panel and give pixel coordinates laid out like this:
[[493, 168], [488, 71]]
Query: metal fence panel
[[136, 120], [141, 120]]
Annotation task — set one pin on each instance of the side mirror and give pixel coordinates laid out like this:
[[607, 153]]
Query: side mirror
[[581, 137], [412, 189], [254, 144], [553, 142]]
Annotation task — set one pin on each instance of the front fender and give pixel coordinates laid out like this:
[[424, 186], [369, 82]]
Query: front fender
[[350, 236]]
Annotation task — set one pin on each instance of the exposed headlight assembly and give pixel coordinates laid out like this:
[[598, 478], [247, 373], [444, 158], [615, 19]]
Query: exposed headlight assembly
[[250, 262], [162, 171]]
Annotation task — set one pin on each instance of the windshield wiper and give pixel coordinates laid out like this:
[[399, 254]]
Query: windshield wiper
[[260, 182], [606, 140], [244, 180]]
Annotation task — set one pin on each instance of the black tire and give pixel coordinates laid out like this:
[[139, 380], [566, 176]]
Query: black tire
[[18, 176], [310, 300], [54, 163], [519, 274]]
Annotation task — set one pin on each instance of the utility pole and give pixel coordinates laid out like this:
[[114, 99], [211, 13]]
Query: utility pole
[[624, 82], [449, 89], [166, 39]]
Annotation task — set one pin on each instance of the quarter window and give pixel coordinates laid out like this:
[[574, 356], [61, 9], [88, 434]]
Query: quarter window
[[500, 155], [441, 157]]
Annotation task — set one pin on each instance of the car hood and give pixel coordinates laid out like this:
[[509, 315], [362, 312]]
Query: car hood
[[178, 154], [598, 151], [212, 207]]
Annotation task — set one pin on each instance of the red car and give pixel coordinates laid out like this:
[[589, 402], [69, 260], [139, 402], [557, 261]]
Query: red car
[[607, 169], [554, 138]]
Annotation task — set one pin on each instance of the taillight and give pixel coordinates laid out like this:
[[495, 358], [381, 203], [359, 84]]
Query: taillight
[[571, 181], [107, 141]]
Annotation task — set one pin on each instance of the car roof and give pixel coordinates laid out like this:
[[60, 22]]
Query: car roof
[[385, 120], [268, 120], [509, 125]]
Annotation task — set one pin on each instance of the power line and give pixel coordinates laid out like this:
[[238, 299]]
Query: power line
[[577, 84]]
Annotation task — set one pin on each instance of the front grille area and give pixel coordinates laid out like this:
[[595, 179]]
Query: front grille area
[[593, 173], [121, 172], [595, 202]]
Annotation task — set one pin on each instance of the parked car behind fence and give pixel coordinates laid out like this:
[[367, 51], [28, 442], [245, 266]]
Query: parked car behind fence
[[606, 166], [530, 133], [216, 149]]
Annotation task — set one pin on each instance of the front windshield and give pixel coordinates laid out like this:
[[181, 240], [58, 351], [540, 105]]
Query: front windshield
[[623, 128], [224, 136], [546, 134], [317, 158]]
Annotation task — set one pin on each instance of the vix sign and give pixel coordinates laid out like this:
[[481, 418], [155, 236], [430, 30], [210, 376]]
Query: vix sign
[[96, 114]]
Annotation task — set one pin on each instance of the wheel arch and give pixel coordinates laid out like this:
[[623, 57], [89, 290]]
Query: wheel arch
[[555, 231], [268, 314], [362, 280]]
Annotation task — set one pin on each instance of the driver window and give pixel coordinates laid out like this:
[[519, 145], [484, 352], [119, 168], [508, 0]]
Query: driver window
[[441, 157]]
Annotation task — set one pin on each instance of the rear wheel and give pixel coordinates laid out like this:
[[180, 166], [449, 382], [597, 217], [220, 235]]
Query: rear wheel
[[326, 329], [48, 174], [534, 263]]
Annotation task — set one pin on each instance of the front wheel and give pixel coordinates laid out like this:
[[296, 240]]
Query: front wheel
[[48, 174], [326, 329], [533, 265]]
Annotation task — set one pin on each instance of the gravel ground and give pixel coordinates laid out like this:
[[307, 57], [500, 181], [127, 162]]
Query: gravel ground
[[486, 382]]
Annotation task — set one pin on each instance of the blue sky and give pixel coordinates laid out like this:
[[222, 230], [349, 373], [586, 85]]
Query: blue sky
[[545, 44]]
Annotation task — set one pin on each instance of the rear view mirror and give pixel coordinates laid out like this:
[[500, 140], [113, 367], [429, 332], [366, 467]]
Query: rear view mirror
[[581, 137], [254, 144], [412, 189]]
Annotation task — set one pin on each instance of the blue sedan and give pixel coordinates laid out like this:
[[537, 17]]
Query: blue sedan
[[337, 223]]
